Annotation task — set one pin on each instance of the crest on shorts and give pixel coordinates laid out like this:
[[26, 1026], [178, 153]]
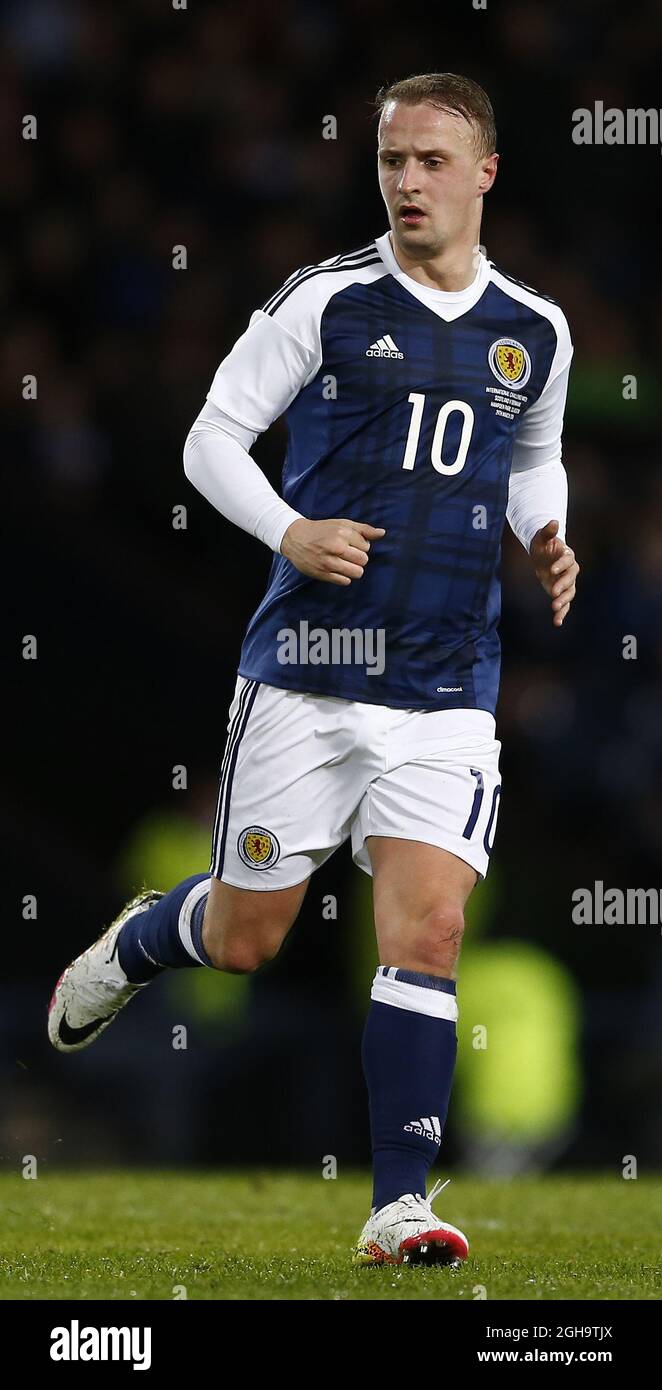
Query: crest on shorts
[[510, 362], [258, 848]]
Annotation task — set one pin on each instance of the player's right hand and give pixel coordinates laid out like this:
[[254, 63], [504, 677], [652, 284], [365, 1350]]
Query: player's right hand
[[335, 551]]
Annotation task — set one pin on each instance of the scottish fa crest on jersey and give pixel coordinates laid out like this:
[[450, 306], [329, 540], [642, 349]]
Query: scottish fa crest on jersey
[[510, 362], [258, 848]]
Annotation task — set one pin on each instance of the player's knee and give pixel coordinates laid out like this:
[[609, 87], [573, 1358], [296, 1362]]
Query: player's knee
[[238, 957], [240, 952], [435, 939]]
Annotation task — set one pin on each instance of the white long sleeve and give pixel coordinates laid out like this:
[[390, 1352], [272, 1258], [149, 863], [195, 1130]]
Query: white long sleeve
[[217, 462], [536, 496], [266, 368], [538, 487]]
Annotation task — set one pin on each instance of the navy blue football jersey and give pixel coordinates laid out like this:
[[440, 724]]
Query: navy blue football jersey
[[406, 407]]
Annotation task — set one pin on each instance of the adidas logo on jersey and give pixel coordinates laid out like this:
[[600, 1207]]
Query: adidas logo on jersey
[[384, 347], [426, 1129]]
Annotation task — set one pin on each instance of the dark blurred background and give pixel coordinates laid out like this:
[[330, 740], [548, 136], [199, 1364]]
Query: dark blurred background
[[203, 127]]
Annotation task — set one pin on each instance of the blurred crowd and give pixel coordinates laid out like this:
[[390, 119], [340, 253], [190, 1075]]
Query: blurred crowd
[[201, 127]]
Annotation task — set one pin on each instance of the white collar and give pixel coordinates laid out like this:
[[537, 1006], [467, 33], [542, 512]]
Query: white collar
[[448, 304]]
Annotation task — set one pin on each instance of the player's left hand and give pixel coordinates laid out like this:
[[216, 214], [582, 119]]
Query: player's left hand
[[556, 568]]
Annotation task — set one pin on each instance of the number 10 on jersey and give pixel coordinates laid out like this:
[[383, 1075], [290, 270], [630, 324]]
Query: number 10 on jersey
[[417, 400]]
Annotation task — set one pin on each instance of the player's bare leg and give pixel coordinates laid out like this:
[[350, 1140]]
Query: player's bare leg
[[419, 893], [244, 928], [410, 1044]]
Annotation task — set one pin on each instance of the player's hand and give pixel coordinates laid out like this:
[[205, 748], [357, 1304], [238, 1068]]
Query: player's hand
[[556, 568], [335, 551]]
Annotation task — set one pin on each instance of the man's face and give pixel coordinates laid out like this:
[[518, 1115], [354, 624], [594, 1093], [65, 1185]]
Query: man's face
[[427, 158]]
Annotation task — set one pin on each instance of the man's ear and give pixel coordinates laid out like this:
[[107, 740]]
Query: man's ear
[[488, 170]]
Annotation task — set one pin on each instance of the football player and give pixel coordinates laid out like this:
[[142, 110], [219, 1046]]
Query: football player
[[424, 393]]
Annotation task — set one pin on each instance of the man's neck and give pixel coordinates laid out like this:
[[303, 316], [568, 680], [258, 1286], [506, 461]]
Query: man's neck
[[455, 270]]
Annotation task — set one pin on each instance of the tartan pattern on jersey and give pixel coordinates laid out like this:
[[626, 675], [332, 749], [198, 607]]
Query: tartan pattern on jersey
[[432, 584]]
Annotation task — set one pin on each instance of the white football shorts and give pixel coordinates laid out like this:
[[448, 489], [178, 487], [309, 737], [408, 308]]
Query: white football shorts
[[302, 773]]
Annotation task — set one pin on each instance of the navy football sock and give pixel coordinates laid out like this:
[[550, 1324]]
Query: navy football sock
[[167, 934], [409, 1051]]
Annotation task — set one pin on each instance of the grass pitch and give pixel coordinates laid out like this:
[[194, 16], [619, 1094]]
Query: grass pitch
[[161, 1235]]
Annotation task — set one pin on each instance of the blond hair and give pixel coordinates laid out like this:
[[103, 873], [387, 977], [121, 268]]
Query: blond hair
[[450, 92]]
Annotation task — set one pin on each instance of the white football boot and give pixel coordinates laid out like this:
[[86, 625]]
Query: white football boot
[[94, 987], [408, 1232]]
